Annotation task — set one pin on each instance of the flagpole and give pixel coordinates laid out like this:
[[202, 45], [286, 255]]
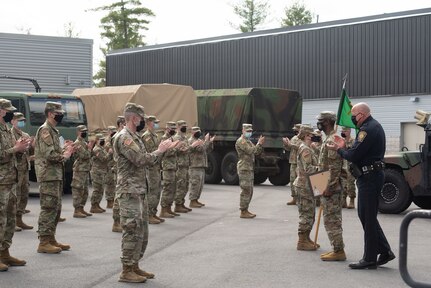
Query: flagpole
[[345, 80]]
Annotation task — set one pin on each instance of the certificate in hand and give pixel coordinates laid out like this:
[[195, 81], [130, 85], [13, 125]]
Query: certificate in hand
[[318, 181]]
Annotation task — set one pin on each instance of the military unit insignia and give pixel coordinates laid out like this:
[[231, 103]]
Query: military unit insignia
[[128, 141], [361, 136]]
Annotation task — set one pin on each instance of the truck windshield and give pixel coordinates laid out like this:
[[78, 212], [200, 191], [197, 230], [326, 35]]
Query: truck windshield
[[74, 115]]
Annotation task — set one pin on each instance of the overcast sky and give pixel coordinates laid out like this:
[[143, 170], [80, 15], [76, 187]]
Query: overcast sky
[[175, 20]]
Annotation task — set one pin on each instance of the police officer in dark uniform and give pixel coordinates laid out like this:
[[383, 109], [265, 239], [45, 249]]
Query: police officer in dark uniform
[[366, 155]]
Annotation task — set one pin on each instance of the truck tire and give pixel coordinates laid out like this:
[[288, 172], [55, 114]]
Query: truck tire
[[259, 178], [212, 173], [395, 196], [283, 177], [423, 202], [228, 168]]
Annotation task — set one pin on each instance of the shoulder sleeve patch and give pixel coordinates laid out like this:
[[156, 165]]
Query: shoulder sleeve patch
[[128, 141], [361, 136], [46, 137]]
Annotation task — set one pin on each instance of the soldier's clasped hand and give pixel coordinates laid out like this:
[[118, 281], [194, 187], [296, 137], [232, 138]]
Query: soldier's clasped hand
[[261, 140]]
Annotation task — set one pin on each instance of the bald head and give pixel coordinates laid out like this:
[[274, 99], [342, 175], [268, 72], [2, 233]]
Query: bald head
[[361, 107]]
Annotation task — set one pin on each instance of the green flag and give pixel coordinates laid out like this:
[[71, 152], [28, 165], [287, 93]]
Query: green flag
[[344, 111]]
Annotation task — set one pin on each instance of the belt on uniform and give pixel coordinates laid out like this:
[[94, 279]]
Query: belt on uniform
[[377, 166]]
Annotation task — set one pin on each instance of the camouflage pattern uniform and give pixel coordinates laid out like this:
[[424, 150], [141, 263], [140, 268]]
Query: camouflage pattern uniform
[[132, 159], [198, 163], [293, 147], [151, 142], [183, 163], [99, 164], [109, 184], [169, 168], [329, 159], [245, 167], [81, 169], [116, 209], [347, 179]]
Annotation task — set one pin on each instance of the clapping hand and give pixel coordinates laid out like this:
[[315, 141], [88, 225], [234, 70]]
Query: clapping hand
[[286, 141], [261, 140]]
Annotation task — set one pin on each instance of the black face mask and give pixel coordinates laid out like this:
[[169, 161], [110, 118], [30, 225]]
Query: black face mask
[[183, 129], [343, 134], [140, 126], [58, 118], [316, 138], [8, 117], [172, 132], [354, 121], [320, 126], [83, 134], [112, 134], [197, 135], [102, 142], [296, 132]]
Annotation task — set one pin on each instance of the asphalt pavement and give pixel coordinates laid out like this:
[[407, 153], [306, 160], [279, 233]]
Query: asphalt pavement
[[213, 247]]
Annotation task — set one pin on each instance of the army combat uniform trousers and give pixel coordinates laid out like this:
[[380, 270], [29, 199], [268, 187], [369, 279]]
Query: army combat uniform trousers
[[7, 215], [306, 209], [154, 189], [348, 183], [109, 185], [50, 207], [246, 182], [168, 188], [97, 181], [182, 177], [292, 179], [22, 190], [79, 189], [196, 182], [332, 219], [134, 221]]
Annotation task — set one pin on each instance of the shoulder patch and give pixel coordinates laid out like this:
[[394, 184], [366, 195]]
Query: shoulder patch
[[361, 136], [46, 137], [128, 141]]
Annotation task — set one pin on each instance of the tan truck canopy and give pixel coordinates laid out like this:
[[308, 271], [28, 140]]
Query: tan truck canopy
[[166, 101]]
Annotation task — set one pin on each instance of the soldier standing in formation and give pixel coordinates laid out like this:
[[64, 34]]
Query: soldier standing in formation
[[22, 161], [169, 168], [198, 163], [81, 170], [9, 147], [116, 227], [109, 184], [331, 197], [347, 179], [49, 164], [99, 163], [132, 160], [151, 142], [183, 163], [293, 147], [245, 167]]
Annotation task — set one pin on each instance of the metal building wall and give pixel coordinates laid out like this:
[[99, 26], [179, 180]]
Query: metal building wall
[[381, 56], [59, 64]]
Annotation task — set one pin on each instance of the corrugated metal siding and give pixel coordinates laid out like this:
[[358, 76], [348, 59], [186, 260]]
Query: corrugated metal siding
[[387, 57], [49, 60]]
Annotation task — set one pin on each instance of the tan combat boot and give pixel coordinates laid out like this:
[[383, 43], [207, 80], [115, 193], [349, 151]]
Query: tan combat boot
[[140, 272], [81, 209], [200, 203], [98, 205], [78, 214], [304, 244], [195, 204], [334, 256], [9, 260], [61, 219], [21, 224], [311, 241], [46, 247], [165, 214], [153, 220], [160, 219], [109, 204], [95, 209], [63, 247], [18, 229], [344, 202], [351, 204], [246, 214], [187, 208], [292, 202], [128, 275], [116, 227], [180, 209], [172, 212], [3, 267]]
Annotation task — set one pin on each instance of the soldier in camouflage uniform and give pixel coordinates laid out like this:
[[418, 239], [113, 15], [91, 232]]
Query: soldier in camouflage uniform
[[132, 159], [198, 163], [316, 149], [22, 161], [151, 142], [116, 227], [307, 163], [109, 177], [347, 179], [81, 170], [49, 165], [331, 197], [99, 163], [169, 168], [293, 147], [9, 147], [245, 167], [183, 163]]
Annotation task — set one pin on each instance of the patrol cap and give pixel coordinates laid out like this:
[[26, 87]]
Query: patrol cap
[[181, 123], [296, 127], [6, 105], [99, 136], [151, 118], [171, 125], [18, 116], [307, 129], [157, 120], [247, 127], [134, 108], [112, 128], [54, 107], [196, 129], [327, 115], [318, 132], [81, 128]]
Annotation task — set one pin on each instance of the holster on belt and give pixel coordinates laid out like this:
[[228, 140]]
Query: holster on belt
[[355, 170]]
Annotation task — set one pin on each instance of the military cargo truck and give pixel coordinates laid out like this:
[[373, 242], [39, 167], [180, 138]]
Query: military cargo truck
[[272, 111], [408, 175]]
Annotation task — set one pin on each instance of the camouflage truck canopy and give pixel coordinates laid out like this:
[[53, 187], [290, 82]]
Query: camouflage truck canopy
[[167, 102], [272, 111]]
